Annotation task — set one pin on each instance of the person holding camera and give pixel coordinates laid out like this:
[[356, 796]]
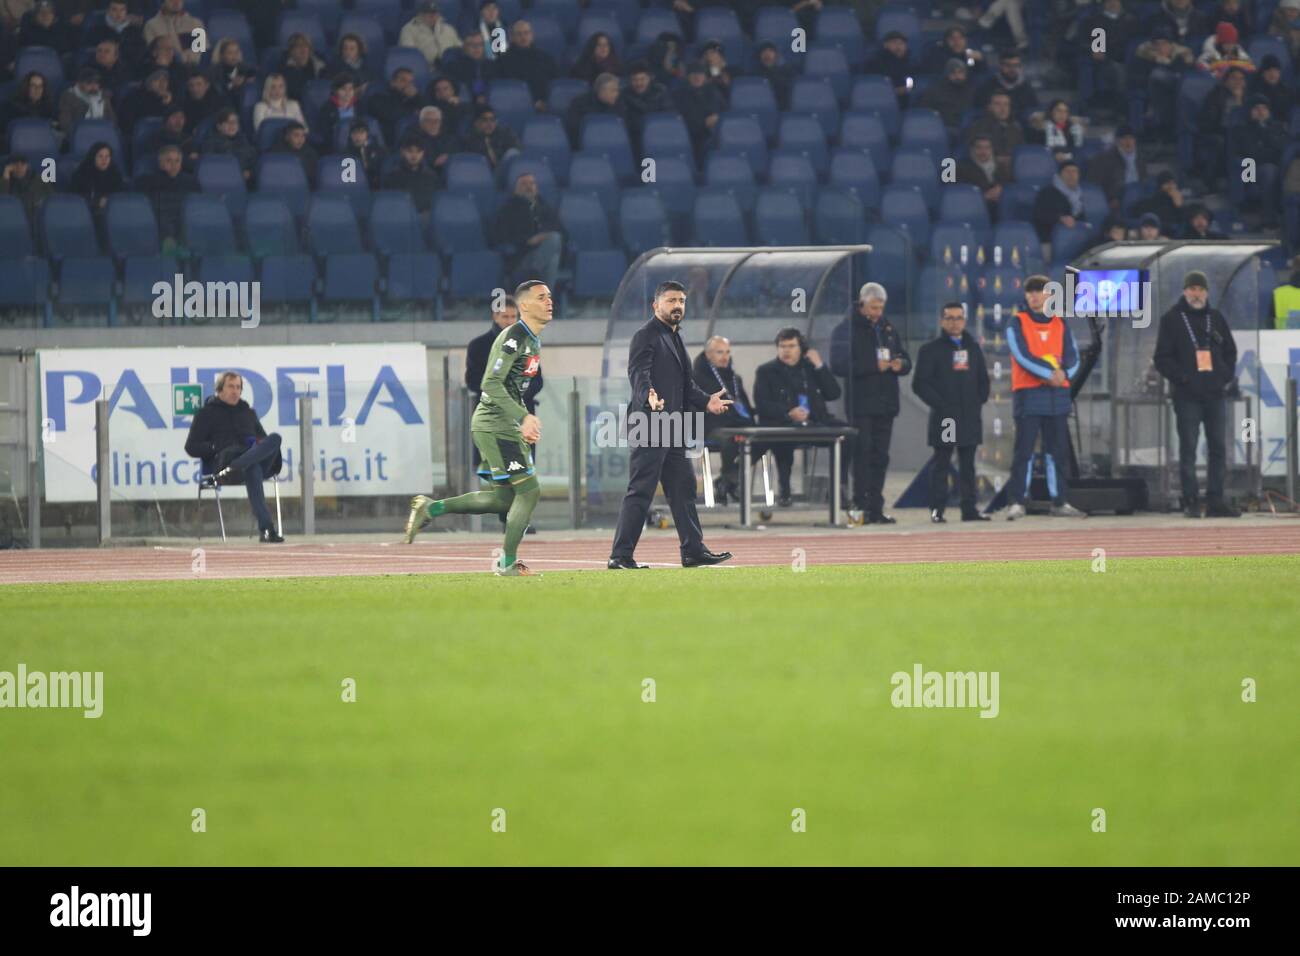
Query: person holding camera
[[792, 390], [1195, 351]]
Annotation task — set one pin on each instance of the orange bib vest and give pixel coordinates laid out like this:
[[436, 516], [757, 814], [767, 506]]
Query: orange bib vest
[[1046, 342]]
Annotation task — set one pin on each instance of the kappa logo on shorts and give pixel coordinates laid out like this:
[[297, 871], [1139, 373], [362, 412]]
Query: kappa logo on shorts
[[510, 344]]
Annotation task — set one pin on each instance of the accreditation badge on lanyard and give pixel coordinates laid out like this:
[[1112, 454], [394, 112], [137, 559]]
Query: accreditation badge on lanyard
[[1204, 360], [960, 361]]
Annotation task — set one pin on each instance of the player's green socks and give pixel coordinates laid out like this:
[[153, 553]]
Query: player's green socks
[[527, 493], [494, 501]]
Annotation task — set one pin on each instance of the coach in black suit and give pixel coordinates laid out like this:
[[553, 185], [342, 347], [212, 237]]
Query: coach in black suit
[[660, 372]]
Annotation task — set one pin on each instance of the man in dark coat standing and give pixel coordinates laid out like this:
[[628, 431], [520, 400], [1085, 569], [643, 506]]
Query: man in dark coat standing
[[713, 369], [868, 352], [952, 379], [660, 372], [1195, 351], [233, 446], [793, 390]]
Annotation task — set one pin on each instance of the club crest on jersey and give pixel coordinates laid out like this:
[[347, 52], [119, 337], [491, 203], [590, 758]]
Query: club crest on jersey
[[510, 345], [533, 367]]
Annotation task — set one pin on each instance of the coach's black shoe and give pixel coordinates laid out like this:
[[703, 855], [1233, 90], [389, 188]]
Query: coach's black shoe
[[881, 519], [270, 536], [705, 557], [625, 564], [1221, 509], [1192, 510], [975, 516], [936, 517]]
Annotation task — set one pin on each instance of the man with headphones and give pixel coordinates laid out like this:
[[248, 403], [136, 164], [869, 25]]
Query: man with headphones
[[792, 390], [868, 352]]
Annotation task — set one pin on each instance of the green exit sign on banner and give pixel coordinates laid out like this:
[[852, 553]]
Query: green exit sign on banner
[[186, 399]]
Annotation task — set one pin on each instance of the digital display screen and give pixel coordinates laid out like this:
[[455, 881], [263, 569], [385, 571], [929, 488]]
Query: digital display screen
[[1109, 292]]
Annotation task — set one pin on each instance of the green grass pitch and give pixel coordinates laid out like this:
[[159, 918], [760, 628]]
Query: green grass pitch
[[1119, 690]]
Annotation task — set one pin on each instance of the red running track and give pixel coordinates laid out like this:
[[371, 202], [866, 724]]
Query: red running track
[[436, 554]]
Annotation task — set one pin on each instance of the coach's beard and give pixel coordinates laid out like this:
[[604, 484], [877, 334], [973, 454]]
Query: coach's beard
[[675, 317]]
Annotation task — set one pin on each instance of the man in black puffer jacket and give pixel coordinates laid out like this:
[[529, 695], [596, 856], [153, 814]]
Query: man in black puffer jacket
[[234, 447], [1196, 352]]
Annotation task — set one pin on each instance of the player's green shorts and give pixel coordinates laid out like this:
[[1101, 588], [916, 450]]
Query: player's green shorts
[[504, 457]]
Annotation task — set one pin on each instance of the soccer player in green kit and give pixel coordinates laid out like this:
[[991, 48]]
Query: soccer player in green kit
[[502, 430]]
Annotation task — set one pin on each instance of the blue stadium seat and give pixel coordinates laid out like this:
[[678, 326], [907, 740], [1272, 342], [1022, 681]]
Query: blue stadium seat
[[299, 21], [718, 220], [141, 273], [642, 221], [803, 134], [830, 64], [752, 96], [675, 189], [1192, 91], [33, 138], [779, 219], [231, 268], [792, 172], [865, 131], [413, 277], [1067, 243], [269, 227], [547, 184], [1017, 201], [330, 181], [938, 284], [565, 13], [15, 230], [668, 136], [545, 136], [815, 97], [548, 33], [593, 173], [67, 228], [892, 255], [474, 274], [406, 57], [390, 14], [456, 225], [88, 132], [902, 18], [743, 136], [595, 20], [288, 278], [951, 241], [721, 24], [282, 175], [315, 95], [332, 226], [563, 92], [840, 26], [220, 176], [46, 62], [24, 282], [1095, 206], [731, 174], [1033, 164], [774, 24], [208, 229], [131, 226], [468, 174], [964, 203], [221, 24], [853, 170], [598, 272], [1015, 244], [913, 167], [512, 101], [586, 226], [873, 94], [839, 217], [924, 129], [904, 208], [652, 22], [351, 277], [606, 135], [394, 224], [1262, 45], [87, 281]]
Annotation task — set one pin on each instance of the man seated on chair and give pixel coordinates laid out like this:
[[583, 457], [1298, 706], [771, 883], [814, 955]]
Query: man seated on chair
[[712, 370], [791, 391], [230, 440]]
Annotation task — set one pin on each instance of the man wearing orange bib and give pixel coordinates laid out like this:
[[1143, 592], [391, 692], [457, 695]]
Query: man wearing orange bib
[[1044, 356]]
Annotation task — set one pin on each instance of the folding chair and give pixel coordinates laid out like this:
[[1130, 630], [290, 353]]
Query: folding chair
[[706, 465], [216, 493]]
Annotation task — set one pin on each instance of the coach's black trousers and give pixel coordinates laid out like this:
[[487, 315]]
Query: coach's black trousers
[[649, 467], [1191, 415], [940, 463], [870, 449]]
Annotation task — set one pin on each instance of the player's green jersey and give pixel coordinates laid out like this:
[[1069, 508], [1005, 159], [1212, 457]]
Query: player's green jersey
[[515, 359]]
